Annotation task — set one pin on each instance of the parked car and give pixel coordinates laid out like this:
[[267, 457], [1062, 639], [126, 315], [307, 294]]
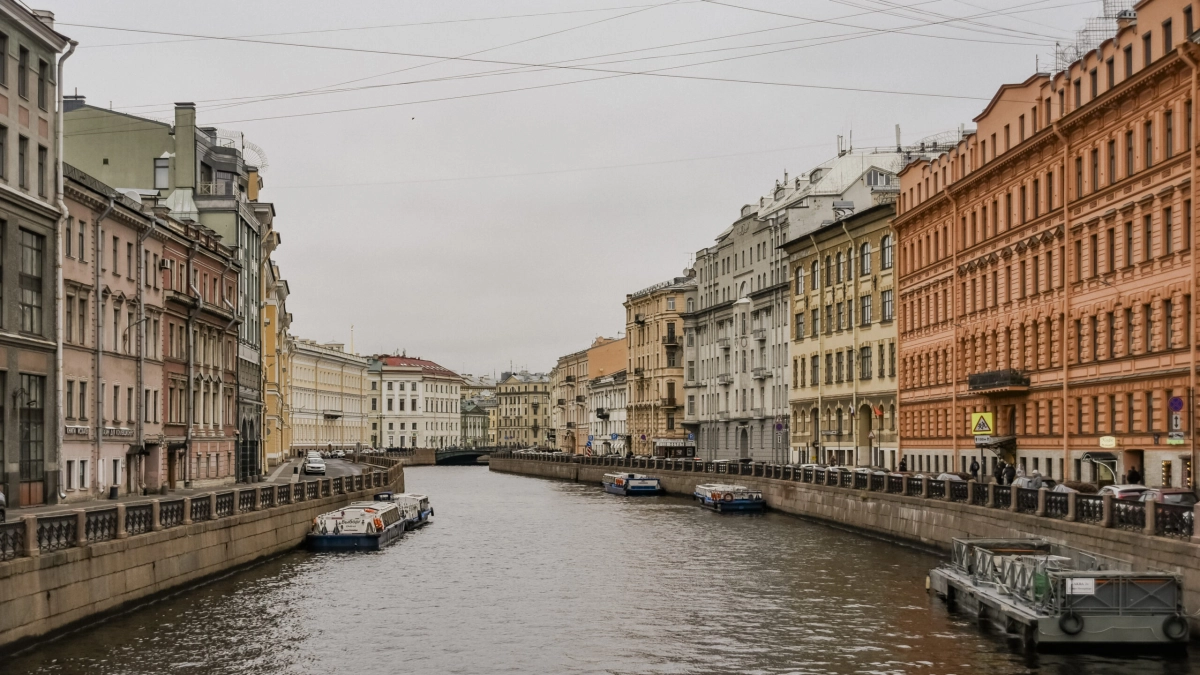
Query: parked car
[[1180, 496], [314, 465], [1130, 492]]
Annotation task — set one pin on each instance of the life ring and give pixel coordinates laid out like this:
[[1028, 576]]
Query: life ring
[[1175, 627], [1071, 623], [728, 497]]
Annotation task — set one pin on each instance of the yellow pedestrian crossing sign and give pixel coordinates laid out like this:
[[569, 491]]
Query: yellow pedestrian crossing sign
[[981, 423]]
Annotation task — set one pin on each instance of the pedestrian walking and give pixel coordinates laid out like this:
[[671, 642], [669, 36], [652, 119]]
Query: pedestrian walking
[[974, 469], [998, 472], [1134, 477], [903, 464], [1010, 473]]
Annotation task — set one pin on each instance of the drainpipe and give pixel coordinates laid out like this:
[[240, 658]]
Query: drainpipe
[[191, 365], [820, 340], [141, 365], [1067, 292], [1186, 52], [98, 387], [854, 338], [59, 407]]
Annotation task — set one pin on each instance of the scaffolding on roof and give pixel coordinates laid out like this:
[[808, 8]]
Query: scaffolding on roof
[[1095, 31]]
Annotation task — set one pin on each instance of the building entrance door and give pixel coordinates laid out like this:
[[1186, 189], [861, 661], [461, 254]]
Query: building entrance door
[[1129, 459], [743, 443]]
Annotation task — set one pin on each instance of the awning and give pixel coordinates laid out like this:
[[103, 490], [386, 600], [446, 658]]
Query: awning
[[1103, 457]]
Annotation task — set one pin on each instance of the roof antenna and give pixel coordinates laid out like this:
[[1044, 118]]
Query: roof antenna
[[352, 339], [898, 146]]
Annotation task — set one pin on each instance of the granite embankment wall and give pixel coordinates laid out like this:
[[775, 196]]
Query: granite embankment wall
[[65, 568], [923, 520]]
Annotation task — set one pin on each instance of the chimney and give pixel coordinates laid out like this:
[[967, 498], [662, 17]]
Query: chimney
[[45, 16], [1125, 19], [73, 102], [185, 145]]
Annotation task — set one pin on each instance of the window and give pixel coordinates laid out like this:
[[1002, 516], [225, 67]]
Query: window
[[69, 400], [1147, 50], [22, 162], [864, 363], [885, 298], [1078, 177], [69, 319], [1188, 27], [1129, 244], [671, 304], [1129, 153], [1148, 136], [161, 167], [32, 261], [1168, 134], [43, 85], [3, 60], [885, 252], [1110, 71], [23, 73], [800, 326], [1168, 41], [864, 259], [1095, 169], [1112, 162], [1147, 234], [1168, 231], [1128, 61], [865, 310], [33, 428]]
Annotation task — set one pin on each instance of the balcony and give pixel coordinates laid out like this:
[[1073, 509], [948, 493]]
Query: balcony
[[602, 413], [761, 373], [219, 188], [580, 399], [668, 402], [562, 402], [639, 318], [671, 341], [723, 415], [998, 382], [724, 378], [639, 372], [759, 413], [760, 334], [723, 343], [570, 425], [569, 379]]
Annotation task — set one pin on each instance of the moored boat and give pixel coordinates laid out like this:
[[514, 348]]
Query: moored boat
[[360, 526], [416, 508], [723, 497], [631, 484], [1055, 595]]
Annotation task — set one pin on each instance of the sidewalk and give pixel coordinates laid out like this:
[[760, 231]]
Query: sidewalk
[[279, 475]]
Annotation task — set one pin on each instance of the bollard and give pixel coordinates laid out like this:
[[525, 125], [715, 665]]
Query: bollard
[[1071, 506], [187, 510], [212, 506], [1106, 509], [924, 487], [155, 515], [1151, 516], [971, 487], [122, 533], [946, 496], [1041, 507], [81, 527], [31, 537]]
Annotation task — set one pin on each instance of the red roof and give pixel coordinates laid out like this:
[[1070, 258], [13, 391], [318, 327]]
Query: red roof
[[410, 362]]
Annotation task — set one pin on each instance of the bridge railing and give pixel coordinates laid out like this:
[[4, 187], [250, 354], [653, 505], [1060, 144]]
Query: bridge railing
[[1149, 517]]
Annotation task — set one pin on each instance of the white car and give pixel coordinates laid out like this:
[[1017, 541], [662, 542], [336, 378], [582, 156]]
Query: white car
[[314, 465]]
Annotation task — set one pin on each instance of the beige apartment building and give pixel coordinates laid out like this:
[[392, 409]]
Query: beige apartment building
[[607, 392], [277, 420], [654, 335], [843, 348], [328, 397], [523, 410]]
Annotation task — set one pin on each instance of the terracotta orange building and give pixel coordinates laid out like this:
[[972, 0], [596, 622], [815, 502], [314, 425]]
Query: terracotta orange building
[[1047, 273]]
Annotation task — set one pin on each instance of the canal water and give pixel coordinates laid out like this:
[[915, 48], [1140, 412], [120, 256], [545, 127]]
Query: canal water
[[524, 575]]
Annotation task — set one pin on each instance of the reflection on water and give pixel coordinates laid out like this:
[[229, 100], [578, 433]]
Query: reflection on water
[[522, 575]]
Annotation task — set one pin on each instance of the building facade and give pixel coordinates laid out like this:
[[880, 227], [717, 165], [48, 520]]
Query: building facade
[[736, 335], [1046, 269], [202, 174], [199, 336], [415, 403], [474, 424], [523, 410], [329, 392], [654, 323], [29, 380], [569, 416], [112, 342], [843, 347], [607, 392], [277, 420]]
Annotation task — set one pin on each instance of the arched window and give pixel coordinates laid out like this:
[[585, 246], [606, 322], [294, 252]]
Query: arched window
[[799, 279], [816, 277], [864, 258], [885, 252], [691, 305]]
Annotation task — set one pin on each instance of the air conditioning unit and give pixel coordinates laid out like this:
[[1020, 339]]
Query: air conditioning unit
[[164, 264]]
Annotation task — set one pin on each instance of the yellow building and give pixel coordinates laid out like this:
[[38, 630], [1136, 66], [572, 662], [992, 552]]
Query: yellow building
[[277, 423], [328, 394], [654, 331], [523, 413]]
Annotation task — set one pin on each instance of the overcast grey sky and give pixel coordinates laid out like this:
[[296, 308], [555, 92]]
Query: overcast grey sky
[[489, 228]]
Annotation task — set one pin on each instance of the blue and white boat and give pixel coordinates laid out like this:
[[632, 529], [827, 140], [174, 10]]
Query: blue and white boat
[[631, 484], [415, 508], [361, 526], [723, 497]]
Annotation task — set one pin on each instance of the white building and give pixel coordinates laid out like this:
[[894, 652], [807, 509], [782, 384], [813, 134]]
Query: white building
[[606, 408], [328, 397], [414, 403]]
